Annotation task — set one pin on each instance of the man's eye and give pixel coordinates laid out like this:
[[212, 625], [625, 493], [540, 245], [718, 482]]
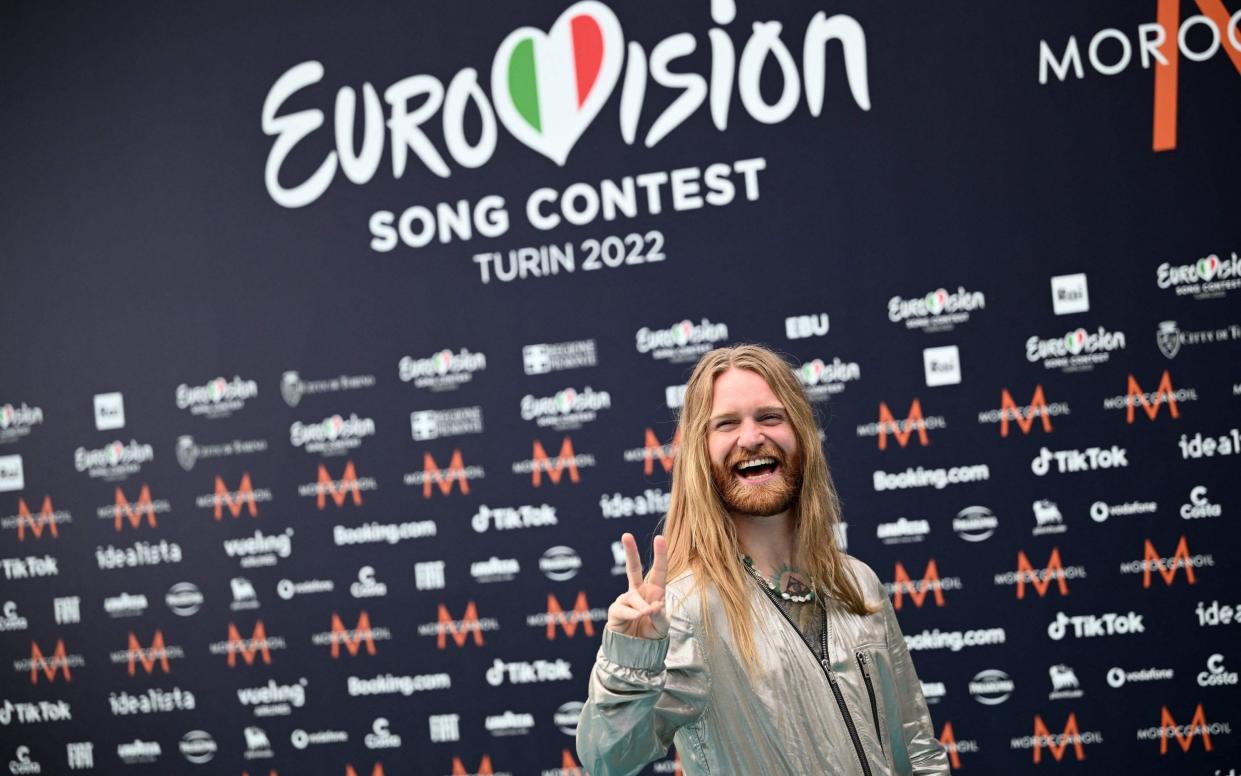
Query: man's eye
[[725, 423]]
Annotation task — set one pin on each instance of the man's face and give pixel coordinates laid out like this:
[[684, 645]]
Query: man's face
[[755, 460]]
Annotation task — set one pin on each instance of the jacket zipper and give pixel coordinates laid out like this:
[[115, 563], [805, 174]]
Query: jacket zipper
[[863, 661], [826, 665]]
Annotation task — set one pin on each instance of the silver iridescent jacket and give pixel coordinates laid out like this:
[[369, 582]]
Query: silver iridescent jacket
[[863, 714]]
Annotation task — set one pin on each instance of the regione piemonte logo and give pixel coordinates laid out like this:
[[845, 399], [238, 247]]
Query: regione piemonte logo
[[548, 87]]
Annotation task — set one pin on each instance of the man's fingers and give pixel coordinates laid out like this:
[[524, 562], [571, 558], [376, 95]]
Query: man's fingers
[[623, 613], [632, 613], [633, 563], [634, 600], [629, 609], [659, 568]]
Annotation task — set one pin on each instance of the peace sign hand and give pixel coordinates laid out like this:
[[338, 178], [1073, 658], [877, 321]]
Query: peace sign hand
[[640, 610]]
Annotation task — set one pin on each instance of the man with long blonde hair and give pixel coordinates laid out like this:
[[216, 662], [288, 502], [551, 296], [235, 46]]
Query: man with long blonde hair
[[754, 643]]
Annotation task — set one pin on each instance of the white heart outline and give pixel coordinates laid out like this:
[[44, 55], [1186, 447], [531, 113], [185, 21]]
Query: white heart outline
[[561, 128]]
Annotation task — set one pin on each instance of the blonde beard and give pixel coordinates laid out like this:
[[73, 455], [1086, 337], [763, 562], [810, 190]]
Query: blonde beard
[[770, 498]]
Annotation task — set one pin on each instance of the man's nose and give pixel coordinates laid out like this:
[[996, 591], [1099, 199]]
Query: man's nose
[[751, 437]]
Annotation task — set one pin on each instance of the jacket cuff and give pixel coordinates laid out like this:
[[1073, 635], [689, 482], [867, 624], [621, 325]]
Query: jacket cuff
[[632, 652]]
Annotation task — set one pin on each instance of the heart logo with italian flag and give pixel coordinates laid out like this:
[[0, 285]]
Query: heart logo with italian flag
[[548, 86], [682, 332], [7, 414], [442, 361], [565, 400], [812, 371], [116, 451], [1075, 341], [332, 426], [218, 387], [936, 301], [1208, 267]]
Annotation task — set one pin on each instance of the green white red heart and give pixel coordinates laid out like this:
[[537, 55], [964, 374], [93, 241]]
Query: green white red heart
[[812, 371], [1075, 341], [1208, 267], [683, 331], [332, 426], [442, 361], [548, 87]]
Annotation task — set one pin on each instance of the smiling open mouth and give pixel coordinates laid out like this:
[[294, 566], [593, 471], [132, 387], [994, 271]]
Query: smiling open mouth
[[756, 468]]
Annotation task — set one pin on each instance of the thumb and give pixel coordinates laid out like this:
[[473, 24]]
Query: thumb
[[659, 619]]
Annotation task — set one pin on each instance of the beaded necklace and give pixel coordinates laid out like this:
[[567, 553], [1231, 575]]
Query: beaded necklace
[[819, 650], [775, 588]]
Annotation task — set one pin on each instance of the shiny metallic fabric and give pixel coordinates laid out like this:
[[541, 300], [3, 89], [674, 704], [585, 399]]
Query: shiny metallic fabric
[[692, 690]]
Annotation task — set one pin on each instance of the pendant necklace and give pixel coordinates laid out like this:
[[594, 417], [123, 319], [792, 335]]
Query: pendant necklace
[[775, 587]]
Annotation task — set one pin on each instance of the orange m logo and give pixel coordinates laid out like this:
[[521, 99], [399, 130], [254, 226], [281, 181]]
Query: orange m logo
[[352, 642], [444, 478], [134, 513], [449, 627], [156, 653], [1009, 407], [948, 738], [45, 519], [248, 649], [377, 770], [1151, 560], [57, 662], [580, 614], [653, 450], [1169, 18], [1043, 737], [902, 430], [1197, 725], [484, 767], [245, 498], [1025, 572], [1163, 394], [566, 459], [930, 584], [348, 487]]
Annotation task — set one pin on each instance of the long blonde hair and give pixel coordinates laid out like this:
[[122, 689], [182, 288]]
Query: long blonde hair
[[701, 535]]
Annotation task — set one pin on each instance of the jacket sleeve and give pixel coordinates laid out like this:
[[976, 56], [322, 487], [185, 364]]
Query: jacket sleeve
[[926, 755], [641, 692]]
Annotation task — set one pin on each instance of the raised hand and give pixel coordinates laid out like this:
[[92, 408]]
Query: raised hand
[[640, 610]]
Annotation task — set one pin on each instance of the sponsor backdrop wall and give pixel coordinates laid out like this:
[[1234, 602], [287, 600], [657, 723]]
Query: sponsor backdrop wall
[[341, 345]]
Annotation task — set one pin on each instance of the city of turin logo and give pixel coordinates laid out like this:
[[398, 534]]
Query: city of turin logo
[[187, 452], [291, 388], [1168, 338], [548, 86]]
